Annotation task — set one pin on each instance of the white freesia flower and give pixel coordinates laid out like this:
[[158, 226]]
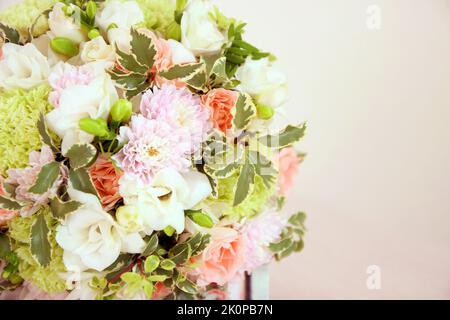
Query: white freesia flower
[[90, 237], [180, 55], [97, 50], [266, 83], [93, 100], [22, 67], [124, 14], [199, 32], [64, 26], [163, 202]]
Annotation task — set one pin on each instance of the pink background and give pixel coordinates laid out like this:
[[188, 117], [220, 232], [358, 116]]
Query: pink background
[[376, 180]]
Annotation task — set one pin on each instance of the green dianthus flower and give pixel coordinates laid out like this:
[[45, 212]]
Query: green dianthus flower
[[158, 14], [47, 278], [23, 15], [19, 113]]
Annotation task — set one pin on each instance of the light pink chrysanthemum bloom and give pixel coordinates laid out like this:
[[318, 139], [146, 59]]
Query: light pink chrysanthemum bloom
[[259, 233], [151, 146], [28, 291], [179, 108], [25, 178], [65, 75]]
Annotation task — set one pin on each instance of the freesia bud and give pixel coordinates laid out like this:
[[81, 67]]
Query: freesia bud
[[173, 31], [265, 112], [64, 46], [96, 127], [94, 33], [91, 9], [121, 111]]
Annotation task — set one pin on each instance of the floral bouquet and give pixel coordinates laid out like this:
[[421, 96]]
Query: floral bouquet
[[138, 158]]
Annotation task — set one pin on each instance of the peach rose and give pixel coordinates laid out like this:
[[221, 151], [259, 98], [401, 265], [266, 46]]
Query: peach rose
[[106, 181], [5, 215], [221, 102], [222, 258], [287, 161]]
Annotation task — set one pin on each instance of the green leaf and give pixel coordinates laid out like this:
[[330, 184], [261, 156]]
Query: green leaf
[[5, 246], [198, 80], [131, 278], [244, 111], [143, 47], [202, 219], [81, 155], [40, 244], [245, 184], [157, 278], [9, 204], [298, 219], [46, 178], [169, 231], [10, 34], [130, 81], [45, 136], [130, 94], [181, 253], [168, 264], [81, 181], [287, 137], [60, 209], [151, 263], [148, 289], [263, 168], [182, 72], [152, 245], [130, 63], [222, 173], [280, 246], [219, 71], [187, 286]]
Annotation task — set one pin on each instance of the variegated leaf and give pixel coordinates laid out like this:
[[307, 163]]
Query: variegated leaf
[[9, 34], [46, 178], [182, 72], [130, 63], [281, 245], [45, 136], [287, 137], [245, 184], [40, 244], [151, 246], [187, 286], [9, 204], [180, 254], [244, 111], [198, 80], [130, 81], [81, 155], [5, 246], [60, 209], [263, 168], [219, 71], [221, 172], [143, 47], [81, 181]]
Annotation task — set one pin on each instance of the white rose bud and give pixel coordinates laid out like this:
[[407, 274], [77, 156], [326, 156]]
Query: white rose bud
[[65, 26], [97, 50], [123, 14], [199, 33], [263, 81]]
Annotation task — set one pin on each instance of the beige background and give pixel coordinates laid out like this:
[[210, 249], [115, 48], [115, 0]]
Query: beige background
[[376, 180]]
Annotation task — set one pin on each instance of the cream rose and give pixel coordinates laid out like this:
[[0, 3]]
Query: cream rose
[[124, 14], [97, 50], [22, 67], [90, 237], [120, 38], [78, 101], [266, 83], [180, 55], [199, 33], [162, 203], [63, 26]]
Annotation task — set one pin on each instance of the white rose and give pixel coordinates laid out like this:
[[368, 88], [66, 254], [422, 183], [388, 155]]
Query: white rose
[[90, 237], [93, 100], [22, 67], [97, 50], [124, 14], [266, 83], [63, 26], [120, 38], [180, 55], [163, 202], [199, 33]]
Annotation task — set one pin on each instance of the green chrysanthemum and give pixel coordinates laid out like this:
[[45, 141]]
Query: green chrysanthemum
[[252, 206], [158, 13], [23, 15], [19, 113], [47, 278]]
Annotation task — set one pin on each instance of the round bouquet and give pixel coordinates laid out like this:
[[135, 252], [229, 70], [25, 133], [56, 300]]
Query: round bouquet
[[138, 155]]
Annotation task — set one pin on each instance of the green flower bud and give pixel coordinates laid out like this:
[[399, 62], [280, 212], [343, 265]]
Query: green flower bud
[[64, 46], [91, 9], [112, 26], [68, 11], [181, 4], [173, 31], [96, 127], [94, 33], [121, 111], [265, 112], [169, 231]]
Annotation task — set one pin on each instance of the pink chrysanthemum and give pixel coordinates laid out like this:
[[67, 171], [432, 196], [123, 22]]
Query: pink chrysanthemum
[[64, 76], [25, 178], [179, 108], [152, 145], [258, 234]]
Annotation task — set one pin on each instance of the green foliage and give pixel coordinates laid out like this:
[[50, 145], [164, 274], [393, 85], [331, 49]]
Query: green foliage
[[291, 238], [244, 111], [81, 181], [5, 246], [151, 263], [40, 243], [151, 246], [9, 34], [60, 209], [285, 138], [64, 46], [9, 204], [46, 178], [45, 136], [81, 155], [200, 218]]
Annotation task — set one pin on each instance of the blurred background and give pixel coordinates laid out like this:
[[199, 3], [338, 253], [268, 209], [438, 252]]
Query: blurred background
[[372, 78]]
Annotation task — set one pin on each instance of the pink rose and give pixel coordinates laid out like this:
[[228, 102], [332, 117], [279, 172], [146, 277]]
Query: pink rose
[[222, 258], [221, 102], [287, 162]]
